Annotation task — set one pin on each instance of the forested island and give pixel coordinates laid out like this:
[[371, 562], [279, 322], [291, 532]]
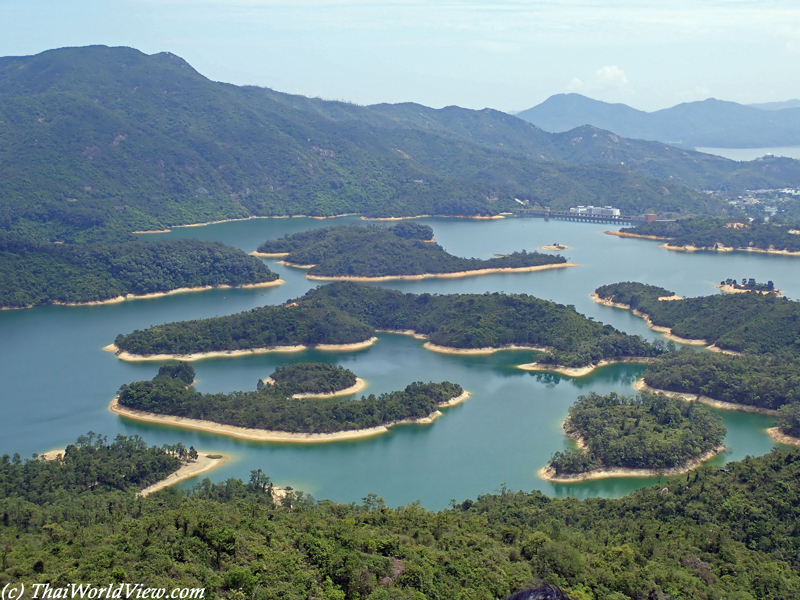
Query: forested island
[[346, 313], [32, 273], [711, 534], [752, 323], [710, 233], [374, 252], [272, 410], [640, 435], [313, 379]]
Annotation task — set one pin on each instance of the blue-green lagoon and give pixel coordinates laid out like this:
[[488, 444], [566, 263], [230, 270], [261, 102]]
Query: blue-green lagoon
[[58, 381]]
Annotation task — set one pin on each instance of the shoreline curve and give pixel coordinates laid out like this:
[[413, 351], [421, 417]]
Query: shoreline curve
[[359, 385], [203, 464], [454, 275], [127, 356], [776, 434], [641, 386], [583, 371], [265, 435]]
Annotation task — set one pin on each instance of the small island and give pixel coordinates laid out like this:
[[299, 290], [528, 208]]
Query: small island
[[378, 253], [641, 436], [347, 315], [729, 286], [721, 235], [271, 413], [32, 274], [554, 247], [314, 380]]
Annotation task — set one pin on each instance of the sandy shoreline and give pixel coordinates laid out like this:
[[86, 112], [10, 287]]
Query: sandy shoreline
[[776, 434], [359, 385], [721, 248], [554, 247], [549, 474], [122, 355], [635, 235], [203, 464], [641, 386], [488, 350], [434, 275], [582, 371], [729, 289], [268, 254], [477, 217], [264, 435], [185, 290]]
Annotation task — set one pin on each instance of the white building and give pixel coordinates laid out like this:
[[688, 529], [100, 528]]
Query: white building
[[596, 211]]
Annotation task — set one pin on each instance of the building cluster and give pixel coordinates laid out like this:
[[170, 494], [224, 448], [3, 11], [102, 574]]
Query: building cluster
[[596, 211]]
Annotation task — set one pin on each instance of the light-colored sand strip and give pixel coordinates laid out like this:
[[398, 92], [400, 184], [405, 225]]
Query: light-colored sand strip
[[582, 371], [776, 434], [122, 355], [264, 435], [269, 254], [636, 235], [641, 386], [476, 217], [449, 350], [117, 299], [295, 265], [189, 469], [439, 275], [359, 385], [549, 474], [721, 248], [554, 247], [153, 231], [411, 332], [729, 289], [52, 454]]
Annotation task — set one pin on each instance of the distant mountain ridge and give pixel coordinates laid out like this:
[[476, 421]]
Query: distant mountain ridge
[[97, 142], [708, 123]]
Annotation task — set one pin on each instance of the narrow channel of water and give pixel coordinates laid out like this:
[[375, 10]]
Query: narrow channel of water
[[58, 381]]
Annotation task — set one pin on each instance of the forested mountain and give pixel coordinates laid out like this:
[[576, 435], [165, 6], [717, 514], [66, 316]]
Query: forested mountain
[[375, 251], [345, 312], [272, 408], [32, 273], [648, 431], [713, 535], [98, 142], [708, 123]]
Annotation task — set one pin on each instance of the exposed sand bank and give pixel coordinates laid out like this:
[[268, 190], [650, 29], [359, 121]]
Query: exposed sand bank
[[581, 371], [359, 385], [776, 434], [153, 231], [295, 265], [411, 332], [231, 353], [721, 248], [434, 275], [189, 469], [636, 235], [185, 290], [488, 350], [641, 386], [554, 247], [269, 254], [729, 289], [549, 474], [264, 435]]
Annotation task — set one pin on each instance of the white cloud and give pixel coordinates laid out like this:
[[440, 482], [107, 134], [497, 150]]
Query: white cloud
[[609, 78]]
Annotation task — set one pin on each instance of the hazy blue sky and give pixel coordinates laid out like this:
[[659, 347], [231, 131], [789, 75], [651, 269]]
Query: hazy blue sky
[[508, 55]]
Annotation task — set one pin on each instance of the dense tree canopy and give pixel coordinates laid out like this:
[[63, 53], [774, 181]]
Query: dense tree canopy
[[313, 378], [33, 273], [648, 431], [710, 535], [374, 251], [349, 312], [272, 407]]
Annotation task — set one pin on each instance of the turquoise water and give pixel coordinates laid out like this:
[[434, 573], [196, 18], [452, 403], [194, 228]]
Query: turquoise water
[[58, 382]]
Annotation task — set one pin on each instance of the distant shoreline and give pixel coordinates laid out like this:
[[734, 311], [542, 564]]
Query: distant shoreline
[[124, 355], [721, 248], [554, 247], [203, 464], [185, 290], [477, 217], [635, 235], [729, 289], [453, 275], [265, 435], [359, 385], [641, 386]]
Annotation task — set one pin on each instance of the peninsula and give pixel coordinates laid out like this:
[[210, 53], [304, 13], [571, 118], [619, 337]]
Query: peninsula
[[271, 413], [378, 253], [351, 313], [718, 234], [639, 436], [32, 274]]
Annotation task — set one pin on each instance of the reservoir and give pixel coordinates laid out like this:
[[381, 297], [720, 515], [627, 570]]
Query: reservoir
[[58, 382]]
